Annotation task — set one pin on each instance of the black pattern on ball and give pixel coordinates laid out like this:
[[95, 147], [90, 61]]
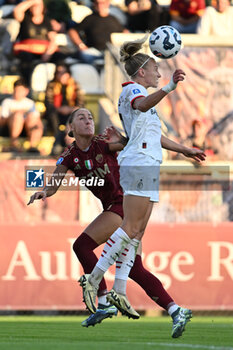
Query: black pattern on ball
[[166, 43]]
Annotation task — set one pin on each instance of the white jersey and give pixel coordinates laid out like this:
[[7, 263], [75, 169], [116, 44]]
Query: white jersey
[[142, 128]]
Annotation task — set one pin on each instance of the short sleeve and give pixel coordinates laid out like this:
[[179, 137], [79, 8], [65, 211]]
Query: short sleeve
[[136, 92]]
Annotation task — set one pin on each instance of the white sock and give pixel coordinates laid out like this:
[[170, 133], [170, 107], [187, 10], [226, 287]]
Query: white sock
[[103, 300], [123, 266], [172, 309], [112, 249]]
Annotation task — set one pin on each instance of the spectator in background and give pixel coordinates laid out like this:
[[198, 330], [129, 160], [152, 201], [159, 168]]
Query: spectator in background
[[94, 32], [217, 19], [185, 14], [36, 39], [19, 112], [59, 13], [145, 15], [62, 96], [9, 27]]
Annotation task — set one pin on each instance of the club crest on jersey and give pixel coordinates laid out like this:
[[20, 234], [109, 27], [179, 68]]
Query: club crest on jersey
[[76, 160], [88, 164], [136, 91], [99, 158]]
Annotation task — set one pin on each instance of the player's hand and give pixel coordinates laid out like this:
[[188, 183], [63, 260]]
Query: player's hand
[[195, 153], [112, 135], [178, 75], [37, 195]]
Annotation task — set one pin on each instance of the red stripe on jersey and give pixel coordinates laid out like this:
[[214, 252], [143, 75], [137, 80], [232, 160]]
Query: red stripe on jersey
[[108, 244], [127, 83], [135, 99], [118, 262], [112, 240], [126, 249], [118, 267], [102, 255], [124, 254], [104, 251]]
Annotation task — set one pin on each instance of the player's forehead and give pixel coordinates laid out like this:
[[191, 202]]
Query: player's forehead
[[83, 112], [152, 63]]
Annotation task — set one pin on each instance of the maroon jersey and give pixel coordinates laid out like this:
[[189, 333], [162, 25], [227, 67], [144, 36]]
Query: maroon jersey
[[98, 162]]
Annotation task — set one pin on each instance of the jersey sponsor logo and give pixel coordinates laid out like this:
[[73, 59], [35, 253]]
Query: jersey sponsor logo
[[99, 158], [76, 160], [99, 172], [136, 91], [88, 164], [60, 160]]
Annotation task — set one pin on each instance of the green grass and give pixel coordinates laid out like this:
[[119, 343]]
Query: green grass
[[66, 333]]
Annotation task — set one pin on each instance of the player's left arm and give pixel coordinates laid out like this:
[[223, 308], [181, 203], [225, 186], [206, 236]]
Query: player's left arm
[[115, 139], [196, 154]]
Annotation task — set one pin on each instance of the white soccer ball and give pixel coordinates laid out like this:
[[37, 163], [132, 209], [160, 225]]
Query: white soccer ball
[[165, 42]]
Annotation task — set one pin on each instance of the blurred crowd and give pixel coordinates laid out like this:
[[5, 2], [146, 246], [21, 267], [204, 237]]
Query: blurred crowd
[[62, 32]]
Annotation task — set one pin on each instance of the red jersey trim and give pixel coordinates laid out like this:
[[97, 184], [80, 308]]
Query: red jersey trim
[[135, 99], [127, 83]]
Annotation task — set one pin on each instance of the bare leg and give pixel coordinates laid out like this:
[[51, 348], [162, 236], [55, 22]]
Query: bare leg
[[137, 212], [103, 226], [34, 128], [15, 123]]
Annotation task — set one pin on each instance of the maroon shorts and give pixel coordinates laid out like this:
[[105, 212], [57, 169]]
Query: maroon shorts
[[116, 208]]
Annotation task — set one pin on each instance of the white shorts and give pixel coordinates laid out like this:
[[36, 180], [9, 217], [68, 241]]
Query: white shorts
[[140, 180]]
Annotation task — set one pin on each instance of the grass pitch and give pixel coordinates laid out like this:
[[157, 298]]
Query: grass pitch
[[119, 333]]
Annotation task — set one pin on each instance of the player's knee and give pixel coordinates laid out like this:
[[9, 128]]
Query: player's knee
[[77, 245], [134, 229]]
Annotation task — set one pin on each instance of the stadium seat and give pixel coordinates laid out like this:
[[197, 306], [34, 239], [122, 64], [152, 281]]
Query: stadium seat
[[102, 79], [87, 76], [79, 12], [64, 40], [41, 75]]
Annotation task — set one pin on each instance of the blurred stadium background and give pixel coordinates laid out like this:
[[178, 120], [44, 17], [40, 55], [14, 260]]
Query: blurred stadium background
[[189, 241]]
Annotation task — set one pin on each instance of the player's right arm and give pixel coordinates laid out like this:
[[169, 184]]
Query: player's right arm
[[48, 190], [144, 103]]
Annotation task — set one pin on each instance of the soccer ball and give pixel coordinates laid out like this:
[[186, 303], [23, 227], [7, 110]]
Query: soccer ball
[[165, 42]]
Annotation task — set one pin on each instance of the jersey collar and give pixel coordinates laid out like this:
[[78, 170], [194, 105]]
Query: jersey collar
[[127, 83]]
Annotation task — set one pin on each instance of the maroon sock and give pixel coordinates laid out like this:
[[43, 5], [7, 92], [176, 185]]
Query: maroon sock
[[151, 284], [83, 248]]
